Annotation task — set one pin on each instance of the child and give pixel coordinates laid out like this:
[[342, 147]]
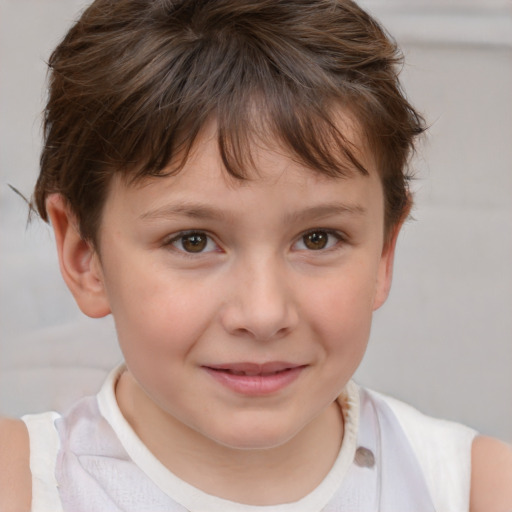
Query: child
[[227, 178]]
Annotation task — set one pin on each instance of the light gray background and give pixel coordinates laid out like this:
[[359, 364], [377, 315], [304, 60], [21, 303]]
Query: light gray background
[[443, 342]]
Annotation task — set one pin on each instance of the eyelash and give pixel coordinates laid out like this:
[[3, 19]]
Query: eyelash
[[208, 241], [330, 234], [180, 237]]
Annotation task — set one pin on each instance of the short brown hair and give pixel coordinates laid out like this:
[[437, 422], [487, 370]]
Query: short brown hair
[[134, 81]]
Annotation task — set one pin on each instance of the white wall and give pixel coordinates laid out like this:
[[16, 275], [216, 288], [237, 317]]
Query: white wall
[[443, 341]]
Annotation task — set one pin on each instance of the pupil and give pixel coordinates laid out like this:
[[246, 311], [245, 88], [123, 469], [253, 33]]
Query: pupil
[[194, 242], [316, 240]]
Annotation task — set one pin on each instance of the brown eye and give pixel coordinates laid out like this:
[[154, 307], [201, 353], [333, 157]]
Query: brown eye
[[316, 240], [194, 242]]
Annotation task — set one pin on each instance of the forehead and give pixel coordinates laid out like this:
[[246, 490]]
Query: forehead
[[276, 182], [340, 150]]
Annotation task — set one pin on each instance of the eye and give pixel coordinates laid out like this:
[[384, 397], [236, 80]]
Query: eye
[[193, 242], [317, 240]]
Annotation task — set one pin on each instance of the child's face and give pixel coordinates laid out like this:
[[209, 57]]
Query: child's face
[[243, 308]]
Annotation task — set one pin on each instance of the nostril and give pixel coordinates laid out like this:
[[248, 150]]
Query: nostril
[[259, 324], [261, 302]]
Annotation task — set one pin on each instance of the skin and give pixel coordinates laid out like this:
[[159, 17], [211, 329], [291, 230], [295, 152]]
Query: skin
[[260, 290], [256, 294], [15, 477]]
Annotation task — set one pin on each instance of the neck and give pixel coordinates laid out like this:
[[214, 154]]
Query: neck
[[270, 476]]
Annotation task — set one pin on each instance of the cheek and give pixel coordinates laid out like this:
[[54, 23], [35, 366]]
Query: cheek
[[341, 308], [346, 294], [161, 311]]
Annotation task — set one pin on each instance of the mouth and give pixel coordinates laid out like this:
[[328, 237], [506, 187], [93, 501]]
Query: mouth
[[255, 369], [255, 379]]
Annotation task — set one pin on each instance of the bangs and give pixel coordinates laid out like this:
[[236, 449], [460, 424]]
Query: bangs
[[251, 98], [133, 84]]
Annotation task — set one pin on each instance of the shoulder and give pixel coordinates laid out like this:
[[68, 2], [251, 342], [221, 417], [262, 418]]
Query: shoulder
[[443, 450], [491, 476], [15, 476], [426, 432]]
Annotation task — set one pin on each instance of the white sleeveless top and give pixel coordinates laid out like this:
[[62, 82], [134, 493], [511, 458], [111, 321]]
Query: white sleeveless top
[[392, 458]]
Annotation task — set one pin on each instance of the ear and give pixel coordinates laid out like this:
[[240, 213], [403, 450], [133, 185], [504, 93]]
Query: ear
[[385, 272], [387, 259], [79, 262]]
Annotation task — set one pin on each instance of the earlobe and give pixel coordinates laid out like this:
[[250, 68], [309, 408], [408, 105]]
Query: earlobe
[[79, 262]]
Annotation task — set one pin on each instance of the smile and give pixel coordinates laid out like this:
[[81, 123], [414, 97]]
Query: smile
[[254, 379], [262, 374]]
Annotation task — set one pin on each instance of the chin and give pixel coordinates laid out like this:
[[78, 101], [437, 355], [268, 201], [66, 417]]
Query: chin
[[254, 437]]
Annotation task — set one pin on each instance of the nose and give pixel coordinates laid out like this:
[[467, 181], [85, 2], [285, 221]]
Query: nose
[[260, 303]]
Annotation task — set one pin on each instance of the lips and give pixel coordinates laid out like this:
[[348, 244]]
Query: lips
[[254, 368], [255, 379]]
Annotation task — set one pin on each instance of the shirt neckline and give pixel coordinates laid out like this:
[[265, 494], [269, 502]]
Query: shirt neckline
[[192, 498]]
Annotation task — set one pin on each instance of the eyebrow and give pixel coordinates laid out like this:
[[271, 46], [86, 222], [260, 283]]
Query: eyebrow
[[192, 210], [203, 212], [323, 211]]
